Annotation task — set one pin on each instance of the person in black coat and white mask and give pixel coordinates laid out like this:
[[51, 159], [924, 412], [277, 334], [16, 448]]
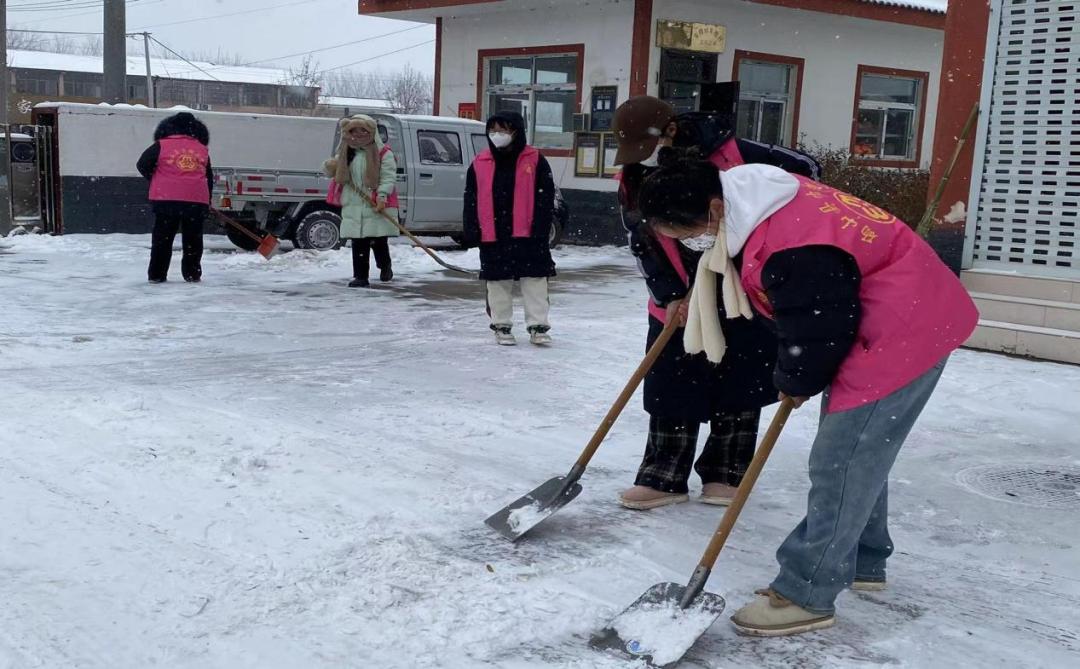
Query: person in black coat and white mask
[[509, 206]]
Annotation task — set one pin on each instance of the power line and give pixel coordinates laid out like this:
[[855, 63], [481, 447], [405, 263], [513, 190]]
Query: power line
[[381, 55], [336, 46], [57, 5], [72, 16], [241, 13], [53, 32], [154, 39]]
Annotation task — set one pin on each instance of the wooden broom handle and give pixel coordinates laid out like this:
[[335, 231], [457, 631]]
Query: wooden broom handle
[[628, 391], [748, 481]]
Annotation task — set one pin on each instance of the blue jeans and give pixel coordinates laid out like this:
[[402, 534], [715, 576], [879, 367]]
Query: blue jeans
[[845, 532]]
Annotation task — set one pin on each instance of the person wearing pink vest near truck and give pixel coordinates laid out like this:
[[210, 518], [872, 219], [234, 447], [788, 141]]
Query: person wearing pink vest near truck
[[866, 314], [177, 165], [365, 173], [509, 206]]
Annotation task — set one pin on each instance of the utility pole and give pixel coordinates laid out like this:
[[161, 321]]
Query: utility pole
[[6, 87], [151, 94], [114, 90]]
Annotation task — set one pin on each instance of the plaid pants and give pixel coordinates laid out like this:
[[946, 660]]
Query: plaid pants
[[669, 452]]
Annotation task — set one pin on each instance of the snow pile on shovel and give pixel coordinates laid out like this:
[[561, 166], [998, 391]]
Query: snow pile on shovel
[[662, 630], [527, 516]]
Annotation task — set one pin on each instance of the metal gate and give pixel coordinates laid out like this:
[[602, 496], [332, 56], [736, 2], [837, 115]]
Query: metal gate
[[26, 178], [1025, 197]]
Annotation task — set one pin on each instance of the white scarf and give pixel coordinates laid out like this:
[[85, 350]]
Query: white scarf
[[752, 193], [703, 331]]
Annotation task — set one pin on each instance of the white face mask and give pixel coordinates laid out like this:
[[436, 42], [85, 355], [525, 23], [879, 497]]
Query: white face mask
[[653, 160], [701, 243], [501, 140]]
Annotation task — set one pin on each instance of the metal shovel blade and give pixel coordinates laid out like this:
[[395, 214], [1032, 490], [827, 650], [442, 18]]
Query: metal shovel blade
[[656, 629], [268, 246], [526, 512]]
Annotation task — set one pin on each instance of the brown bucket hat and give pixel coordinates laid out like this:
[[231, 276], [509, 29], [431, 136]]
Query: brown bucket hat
[[639, 122]]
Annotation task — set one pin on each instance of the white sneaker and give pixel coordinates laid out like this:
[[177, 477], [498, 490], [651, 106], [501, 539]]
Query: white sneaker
[[539, 338], [504, 337]]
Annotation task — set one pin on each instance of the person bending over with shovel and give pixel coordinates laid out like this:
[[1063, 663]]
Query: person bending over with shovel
[[865, 312], [366, 171], [682, 390], [509, 205]]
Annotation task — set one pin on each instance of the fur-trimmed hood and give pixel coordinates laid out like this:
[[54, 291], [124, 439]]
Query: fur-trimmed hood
[[184, 124], [338, 166]]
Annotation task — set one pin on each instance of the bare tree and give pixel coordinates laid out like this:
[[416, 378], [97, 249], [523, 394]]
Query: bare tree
[[409, 91], [20, 41], [92, 45], [302, 85]]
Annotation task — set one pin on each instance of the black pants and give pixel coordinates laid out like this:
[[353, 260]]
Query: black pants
[[669, 453], [171, 217], [361, 252]]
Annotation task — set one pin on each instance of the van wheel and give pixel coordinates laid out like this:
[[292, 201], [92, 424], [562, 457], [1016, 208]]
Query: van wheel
[[558, 225], [319, 230], [242, 241]]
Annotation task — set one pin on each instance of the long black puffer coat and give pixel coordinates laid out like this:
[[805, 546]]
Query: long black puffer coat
[[511, 258]]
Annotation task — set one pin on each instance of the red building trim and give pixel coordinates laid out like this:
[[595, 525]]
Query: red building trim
[[924, 78], [799, 64], [436, 95], [641, 47], [856, 8], [386, 6], [864, 10], [961, 87], [577, 49]]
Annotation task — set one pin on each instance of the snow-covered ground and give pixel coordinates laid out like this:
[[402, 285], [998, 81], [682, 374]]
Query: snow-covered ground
[[271, 470]]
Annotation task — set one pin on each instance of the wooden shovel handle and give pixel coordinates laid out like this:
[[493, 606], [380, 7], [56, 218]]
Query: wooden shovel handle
[[413, 238], [236, 226], [748, 481], [620, 403]]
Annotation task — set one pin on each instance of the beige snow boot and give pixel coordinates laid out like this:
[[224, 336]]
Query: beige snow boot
[[717, 494], [643, 498], [773, 615]]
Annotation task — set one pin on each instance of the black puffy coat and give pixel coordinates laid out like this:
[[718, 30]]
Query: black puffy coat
[[511, 258], [689, 387]]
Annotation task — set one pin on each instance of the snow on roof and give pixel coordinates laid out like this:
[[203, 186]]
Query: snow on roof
[[338, 101], [935, 6], [159, 67]]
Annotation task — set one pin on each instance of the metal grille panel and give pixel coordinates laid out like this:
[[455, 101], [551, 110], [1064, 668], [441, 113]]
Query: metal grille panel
[[1028, 214]]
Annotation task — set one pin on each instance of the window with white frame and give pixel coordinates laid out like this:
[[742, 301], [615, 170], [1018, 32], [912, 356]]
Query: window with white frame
[[888, 117], [543, 88], [768, 98]]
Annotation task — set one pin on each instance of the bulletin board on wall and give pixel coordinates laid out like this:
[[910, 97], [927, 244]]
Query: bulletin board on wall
[[594, 155]]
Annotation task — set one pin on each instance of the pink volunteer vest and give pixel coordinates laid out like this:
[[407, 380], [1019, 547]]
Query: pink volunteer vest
[[524, 193], [914, 309], [181, 171]]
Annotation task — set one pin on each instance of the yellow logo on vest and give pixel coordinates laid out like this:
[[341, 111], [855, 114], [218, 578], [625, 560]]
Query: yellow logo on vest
[[185, 160]]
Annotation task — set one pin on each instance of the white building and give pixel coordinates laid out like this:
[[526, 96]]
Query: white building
[[852, 74]]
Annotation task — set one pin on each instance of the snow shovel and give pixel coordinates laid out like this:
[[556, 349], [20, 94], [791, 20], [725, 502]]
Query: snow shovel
[[528, 511], [666, 621], [415, 240], [267, 245]]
